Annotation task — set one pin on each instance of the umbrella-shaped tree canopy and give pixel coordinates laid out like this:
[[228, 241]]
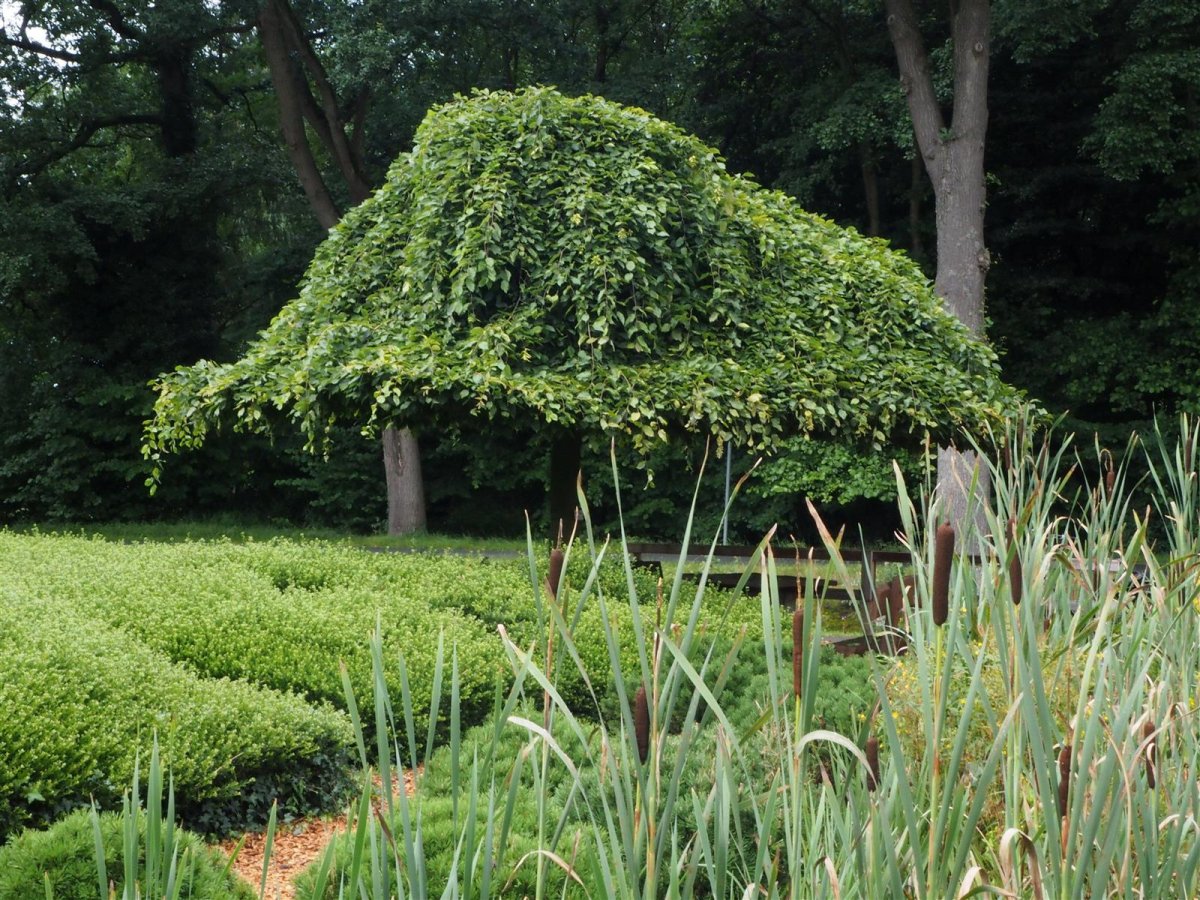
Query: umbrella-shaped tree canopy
[[571, 261]]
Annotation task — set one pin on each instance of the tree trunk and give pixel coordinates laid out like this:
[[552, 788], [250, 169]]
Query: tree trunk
[[954, 160], [288, 88], [566, 453], [405, 489]]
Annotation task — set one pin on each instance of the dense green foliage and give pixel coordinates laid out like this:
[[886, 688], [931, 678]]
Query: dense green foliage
[[149, 220], [232, 653], [66, 853], [543, 259], [282, 615], [81, 700], [845, 692], [1059, 725]]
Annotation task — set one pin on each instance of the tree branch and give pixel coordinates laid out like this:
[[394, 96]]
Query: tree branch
[[915, 78], [23, 43], [116, 19], [291, 115], [83, 134], [334, 133]]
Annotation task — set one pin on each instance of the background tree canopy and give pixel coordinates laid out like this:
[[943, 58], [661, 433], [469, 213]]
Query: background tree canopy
[[538, 258], [150, 214]]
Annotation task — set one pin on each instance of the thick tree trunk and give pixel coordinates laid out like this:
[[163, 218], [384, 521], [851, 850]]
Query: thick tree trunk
[[954, 160], [565, 456], [173, 68], [962, 259], [405, 489]]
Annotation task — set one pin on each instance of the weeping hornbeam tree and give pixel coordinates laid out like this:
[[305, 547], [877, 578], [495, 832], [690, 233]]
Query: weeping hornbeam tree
[[585, 267]]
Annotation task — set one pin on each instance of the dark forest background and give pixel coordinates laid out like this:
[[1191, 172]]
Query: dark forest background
[[151, 214]]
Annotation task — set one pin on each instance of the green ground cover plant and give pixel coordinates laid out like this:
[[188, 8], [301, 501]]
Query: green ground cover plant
[[280, 615], [82, 700], [137, 852], [64, 856], [233, 652]]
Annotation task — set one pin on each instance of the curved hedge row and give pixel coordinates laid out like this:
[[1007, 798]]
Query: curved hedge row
[[81, 700], [240, 611], [107, 642]]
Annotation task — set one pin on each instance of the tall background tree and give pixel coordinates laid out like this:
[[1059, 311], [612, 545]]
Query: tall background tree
[[952, 152]]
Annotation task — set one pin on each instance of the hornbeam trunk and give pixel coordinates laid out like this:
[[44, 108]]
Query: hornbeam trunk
[[566, 453], [405, 488]]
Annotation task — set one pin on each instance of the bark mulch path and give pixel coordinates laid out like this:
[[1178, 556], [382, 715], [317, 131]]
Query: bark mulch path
[[297, 845]]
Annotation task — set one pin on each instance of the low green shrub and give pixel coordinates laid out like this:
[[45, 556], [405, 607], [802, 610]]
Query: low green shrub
[[280, 614], [81, 700], [64, 855]]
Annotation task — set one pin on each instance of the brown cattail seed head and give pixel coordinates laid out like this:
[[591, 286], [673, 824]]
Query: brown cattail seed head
[[872, 763], [1110, 480], [556, 567], [1015, 585], [797, 652], [896, 601], [641, 723], [1151, 754], [1064, 778], [943, 553]]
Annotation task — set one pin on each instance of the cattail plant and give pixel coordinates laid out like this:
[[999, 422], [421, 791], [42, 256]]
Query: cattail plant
[[1015, 585], [641, 723], [556, 568], [872, 764], [1064, 779], [798, 654], [1148, 736], [942, 555]]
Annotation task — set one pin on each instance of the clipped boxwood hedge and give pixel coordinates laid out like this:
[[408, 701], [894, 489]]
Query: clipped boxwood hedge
[[80, 701], [282, 615], [65, 855], [99, 621]]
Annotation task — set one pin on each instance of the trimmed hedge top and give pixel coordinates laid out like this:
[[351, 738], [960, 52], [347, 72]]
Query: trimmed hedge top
[[578, 262]]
